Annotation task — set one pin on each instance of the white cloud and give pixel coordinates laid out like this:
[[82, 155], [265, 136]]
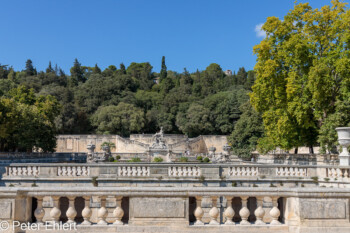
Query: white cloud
[[259, 32]]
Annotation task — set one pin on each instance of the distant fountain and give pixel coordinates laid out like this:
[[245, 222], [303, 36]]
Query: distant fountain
[[159, 147]]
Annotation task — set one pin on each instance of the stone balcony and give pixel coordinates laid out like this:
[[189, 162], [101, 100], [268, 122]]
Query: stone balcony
[[178, 197], [167, 209]]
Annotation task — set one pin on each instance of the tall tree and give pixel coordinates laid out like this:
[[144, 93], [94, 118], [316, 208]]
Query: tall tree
[[49, 69], [302, 71], [29, 70], [77, 72], [163, 71]]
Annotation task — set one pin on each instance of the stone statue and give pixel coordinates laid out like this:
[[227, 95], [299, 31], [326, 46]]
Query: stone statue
[[159, 141]]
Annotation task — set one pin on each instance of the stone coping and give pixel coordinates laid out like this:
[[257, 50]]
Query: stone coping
[[178, 191], [204, 165]]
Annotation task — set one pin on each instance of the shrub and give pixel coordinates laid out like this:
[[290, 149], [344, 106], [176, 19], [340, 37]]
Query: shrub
[[255, 185], [272, 185], [94, 181], [184, 159], [200, 158], [234, 184], [111, 159], [315, 179], [201, 178], [326, 179], [206, 160], [157, 160], [118, 157], [34, 184], [135, 160]]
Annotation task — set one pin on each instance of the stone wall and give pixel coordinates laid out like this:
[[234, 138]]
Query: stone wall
[[140, 143]]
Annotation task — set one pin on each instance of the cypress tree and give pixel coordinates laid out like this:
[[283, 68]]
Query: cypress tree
[[163, 71]]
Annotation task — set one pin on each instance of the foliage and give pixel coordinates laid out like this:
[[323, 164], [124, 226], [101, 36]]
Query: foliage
[[206, 160], [111, 159], [303, 75], [184, 159], [135, 160], [111, 145], [158, 159], [122, 119], [247, 131], [118, 157], [27, 121], [200, 158]]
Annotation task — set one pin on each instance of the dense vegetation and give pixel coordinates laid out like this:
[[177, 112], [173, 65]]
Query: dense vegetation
[[302, 88], [119, 101]]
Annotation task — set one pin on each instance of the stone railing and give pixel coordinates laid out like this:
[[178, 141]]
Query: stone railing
[[23, 171], [133, 171], [291, 171], [181, 209], [73, 171], [242, 171], [338, 173], [184, 171]]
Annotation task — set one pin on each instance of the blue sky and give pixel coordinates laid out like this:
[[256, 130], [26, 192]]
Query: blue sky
[[189, 33]]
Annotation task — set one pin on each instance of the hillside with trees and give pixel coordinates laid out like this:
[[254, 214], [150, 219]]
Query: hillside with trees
[[121, 100]]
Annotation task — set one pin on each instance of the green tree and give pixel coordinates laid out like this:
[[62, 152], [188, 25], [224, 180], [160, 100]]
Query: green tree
[[247, 131], [163, 71], [122, 119], [302, 71], [29, 70], [77, 72]]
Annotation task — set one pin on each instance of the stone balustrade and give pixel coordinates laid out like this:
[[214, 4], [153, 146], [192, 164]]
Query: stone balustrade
[[291, 171], [338, 173], [133, 171], [225, 209], [23, 171], [184, 171], [241, 171], [73, 171]]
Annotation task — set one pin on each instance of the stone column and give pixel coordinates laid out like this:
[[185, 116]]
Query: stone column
[[39, 212], [229, 212], [214, 212], [275, 212], [259, 212], [55, 212], [87, 212], [71, 212], [118, 212], [102, 212], [244, 212], [198, 212]]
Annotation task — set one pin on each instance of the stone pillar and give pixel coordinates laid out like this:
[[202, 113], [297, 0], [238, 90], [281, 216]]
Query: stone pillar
[[55, 212], [87, 212], [198, 212], [244, 212], [214, 212], [39, 212], [274, 212], [102, 212], [118, 212], [229, 212], [71, 212], [259, 212]]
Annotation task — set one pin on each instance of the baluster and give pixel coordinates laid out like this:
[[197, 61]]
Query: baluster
[[180, 171], [71, 212], [129, 171], [124, 171], [275, 212], [185, 171], [19, 171], [79, 171], [118, 211], [14, 171], [244, 212], [87, 212], [84, 171], [259, 212], [139, 171], [64, 171], [134, 171], [214, 212], [198, 212], [87, 171], [55, 212], [39, 212], [346, 174], [190, 171], [278, 171], [229, 212], [102, 212]]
